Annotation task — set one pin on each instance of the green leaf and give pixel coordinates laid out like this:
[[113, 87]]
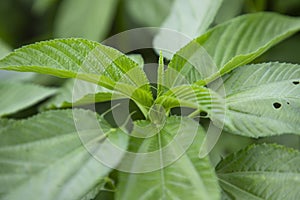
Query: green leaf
[[193, 96], [86, 60], [10, 76], [148, 13], [92, 19], [229, 9], [105, 195], [138, 59], [189, 18], [232, 44], [160, 75], [46, 151], [264, 99], [4, 123], [77, 92], [261, 172], [4, 49], [18, 96], [189, 177], [41, 6]]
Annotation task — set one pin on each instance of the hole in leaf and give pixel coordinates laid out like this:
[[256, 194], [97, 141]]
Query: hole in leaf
[[203, 114], [288, 103], [277, 105], [296, 82]]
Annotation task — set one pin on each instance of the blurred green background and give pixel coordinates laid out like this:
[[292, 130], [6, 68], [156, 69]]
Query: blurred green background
[[27, 21]]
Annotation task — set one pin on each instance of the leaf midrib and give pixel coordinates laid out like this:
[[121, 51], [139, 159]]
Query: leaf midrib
[[188, 159], [255, 87], [259, 172], [240, 189]]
